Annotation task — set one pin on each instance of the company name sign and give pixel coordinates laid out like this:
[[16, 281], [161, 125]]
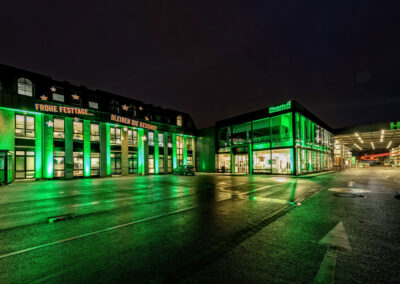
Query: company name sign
[[132, 122], [62, 109], [281, 107]]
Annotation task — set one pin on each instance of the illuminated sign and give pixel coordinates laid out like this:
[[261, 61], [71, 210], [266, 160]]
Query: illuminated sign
[[132, 122], [62, 109], [281, 107], [395, 125]]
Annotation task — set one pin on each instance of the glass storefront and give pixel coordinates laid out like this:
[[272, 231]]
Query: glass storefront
[[282, 161], [241, 163], [262, 161], [224, 163], [95, 164]]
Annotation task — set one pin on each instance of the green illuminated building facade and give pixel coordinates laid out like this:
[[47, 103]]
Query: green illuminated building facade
[[53, 129], [282, 139]]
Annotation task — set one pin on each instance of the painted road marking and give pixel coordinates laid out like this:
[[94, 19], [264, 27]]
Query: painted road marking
[[336, 239], [349, 190], [117, 227], [95, 232]]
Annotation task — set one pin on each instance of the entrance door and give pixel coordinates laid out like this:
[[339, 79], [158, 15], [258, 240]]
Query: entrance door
[[24, 164], [133, 163], [241, 163], [115, 163]]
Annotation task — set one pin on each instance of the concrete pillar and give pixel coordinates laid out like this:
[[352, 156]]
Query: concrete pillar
[[7, 135], [165, 137], [86, 148], [146, 152], [104, 143], [48, 147]]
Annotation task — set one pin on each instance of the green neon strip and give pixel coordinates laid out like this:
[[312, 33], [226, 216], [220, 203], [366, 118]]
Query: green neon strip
[[185, 150], [86, 148], [174, 157], [20, 110], [250, 159], [108, 150], [156, 153], [141, 169], [38, 146], [48, 147]]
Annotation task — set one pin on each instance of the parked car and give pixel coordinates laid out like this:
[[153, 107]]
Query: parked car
[[184, 170]]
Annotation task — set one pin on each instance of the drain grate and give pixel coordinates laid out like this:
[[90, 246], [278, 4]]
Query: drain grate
[[54, 219]]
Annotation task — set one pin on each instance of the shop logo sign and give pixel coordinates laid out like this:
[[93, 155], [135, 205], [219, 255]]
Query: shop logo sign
[[281, 107]]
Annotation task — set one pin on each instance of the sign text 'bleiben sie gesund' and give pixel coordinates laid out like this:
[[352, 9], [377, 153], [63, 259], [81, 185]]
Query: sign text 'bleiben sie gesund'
[[132, 122]]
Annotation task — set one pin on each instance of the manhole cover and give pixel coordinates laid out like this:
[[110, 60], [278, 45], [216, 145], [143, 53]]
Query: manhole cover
[[349, 190]]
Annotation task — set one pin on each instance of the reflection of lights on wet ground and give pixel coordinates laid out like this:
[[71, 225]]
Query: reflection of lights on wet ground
[[282, 179]]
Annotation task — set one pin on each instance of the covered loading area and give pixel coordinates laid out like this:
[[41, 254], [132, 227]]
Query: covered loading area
[[372, 144]]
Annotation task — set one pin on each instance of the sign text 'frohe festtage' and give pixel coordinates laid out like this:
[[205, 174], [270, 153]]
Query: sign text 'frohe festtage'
[[132, 122], [62, 109]]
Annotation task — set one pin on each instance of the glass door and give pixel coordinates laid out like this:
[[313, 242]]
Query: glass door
[[115, 163], [78, 164], [24, 164], [242, 164], [133, 163]]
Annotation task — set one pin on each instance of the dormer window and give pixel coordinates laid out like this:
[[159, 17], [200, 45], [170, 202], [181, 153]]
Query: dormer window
[[179, 120], [93, 104], [58, 94], [25, 87]]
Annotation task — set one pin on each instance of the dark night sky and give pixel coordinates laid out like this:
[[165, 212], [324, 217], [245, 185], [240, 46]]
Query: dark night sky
[[215, 59]]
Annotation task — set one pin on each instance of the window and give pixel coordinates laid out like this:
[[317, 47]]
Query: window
[[116, 163], [59, 128], [59, 163], [58, 94], [169, 141], [151, 164], [115, 135], [25, 87], [94, 105], [179, 150], [24, 126], [241, 133], [78, 164], [190, 143], [133, 163], [94, 132], [223, 163], [58, 97], [151, 138], [179, 120], [78, 130], [262, 161], [261, 130], [161, 164], [224, 137], [132, 137], [160, 140], [94, 164]]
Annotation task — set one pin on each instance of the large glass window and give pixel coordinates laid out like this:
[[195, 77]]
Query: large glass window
[[94, 164], [132, 137], [78, 130], [262, 161], [281, 161], [59, 128], [261, 130], [115, 135], [179, 150], [78, 164], [24, 164], [151, 164], [160, 140], [161, 164], [169, 141], [223, 163], [179, 120], [151, 138], [25, 87], [241, 133], [224, 136], [281, 127], [59, 163], [94, 132], [24, 126]]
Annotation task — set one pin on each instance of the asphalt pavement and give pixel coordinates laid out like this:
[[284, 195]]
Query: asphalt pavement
[[206, 228]]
